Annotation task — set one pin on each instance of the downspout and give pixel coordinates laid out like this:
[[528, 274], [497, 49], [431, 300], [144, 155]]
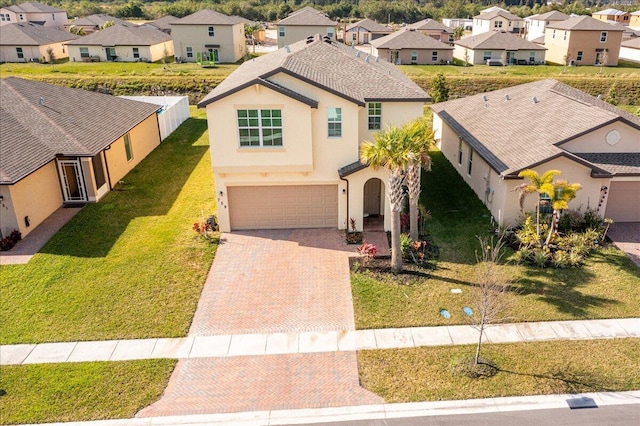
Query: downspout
[[347, 219], [106, 166]]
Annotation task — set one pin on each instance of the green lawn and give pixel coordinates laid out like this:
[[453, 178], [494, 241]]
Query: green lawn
[[606, 287], [540, 71], [129, 266], [80, 391], [425, 374]]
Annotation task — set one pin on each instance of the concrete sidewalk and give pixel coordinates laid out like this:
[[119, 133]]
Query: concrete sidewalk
[[381, 412], [312, 342]]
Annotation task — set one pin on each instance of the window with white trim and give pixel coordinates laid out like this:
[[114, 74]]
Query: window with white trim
[[497, 24], [211, 32], [579, 55], [260, 127], [354, 36], [470, 163], [136, 53], [374, 110], [434, 56], [565, 36], [189, 52], [414, 56], [127, 147], [532, 57], [281, 32], [330, 31], [334, 122], [603, 37], [460, 152], [486, 55], [19, 52], [84, 52]]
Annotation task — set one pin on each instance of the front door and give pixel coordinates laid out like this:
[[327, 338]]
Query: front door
[[111, 53], [213, 55], [394, 57], [72, 182], [372, 191], [509, 58]]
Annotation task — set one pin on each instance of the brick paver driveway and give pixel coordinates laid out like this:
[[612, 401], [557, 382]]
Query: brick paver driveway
[[268, 282], [627, 237]]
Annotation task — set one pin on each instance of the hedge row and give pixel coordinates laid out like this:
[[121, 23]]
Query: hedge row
[[627, 89]]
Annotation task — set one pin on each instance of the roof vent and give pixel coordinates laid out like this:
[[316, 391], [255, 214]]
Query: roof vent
[[41, 101], [310, 39], [377, 58], [366, 59], [326, 39], [412, 29], [484, 98], [534, 100], [507, 98], [358, 54], [600, 96], [287, 49]]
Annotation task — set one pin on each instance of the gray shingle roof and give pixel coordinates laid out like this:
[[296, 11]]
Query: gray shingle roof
[[583, 23], [207, 17], [634, 43], [333, 67], [430, 24], [163, 23], [497, 40], [409, 39], [494, 14], [97, 20], [27, 34], [308, 16], [554, 15], [33, 7], [627, 163], [39, 121], [369, 25], [117, 35], [515, 134]]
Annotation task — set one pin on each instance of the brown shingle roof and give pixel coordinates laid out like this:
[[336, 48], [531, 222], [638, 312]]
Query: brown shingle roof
[[27, 34], [554, 15], [634, 43], [163, 23], [409, 39], [39, 121], [33, 7], [619, 163], [97, 20], [498, 41], [333, 67], [117, 35], [515, 134], [430, 24], [207, 17], [308, 16], [583, 23], [369, 25], [494, 14]]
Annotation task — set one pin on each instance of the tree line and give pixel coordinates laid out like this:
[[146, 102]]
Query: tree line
[[396, 11]]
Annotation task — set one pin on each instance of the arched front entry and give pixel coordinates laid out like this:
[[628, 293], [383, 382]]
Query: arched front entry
[[373, 202]]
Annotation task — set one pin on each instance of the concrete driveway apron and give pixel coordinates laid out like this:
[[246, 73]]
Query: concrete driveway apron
[[273, 281]]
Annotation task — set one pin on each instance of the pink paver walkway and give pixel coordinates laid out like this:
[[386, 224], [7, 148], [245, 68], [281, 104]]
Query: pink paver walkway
[[626, 237], [256, 383], [277, 281]]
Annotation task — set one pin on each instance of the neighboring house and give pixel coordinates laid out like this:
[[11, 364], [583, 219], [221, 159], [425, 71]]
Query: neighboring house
[[362, 32], [172, 112], [434, 29], [536, 24], [304, 23], [614, 15], [285, 131], [33, 12], [490, 138], [209, 35], [634, 20], [122, 44], [92, 23], [583, 40], [32, 42], [494, 47], [65, 146], [412, 47], [497, 20], [467, 24], [630, 50], [163, 24]]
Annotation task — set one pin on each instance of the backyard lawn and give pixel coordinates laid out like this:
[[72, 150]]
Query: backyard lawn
[[127, 267], [605, 287]]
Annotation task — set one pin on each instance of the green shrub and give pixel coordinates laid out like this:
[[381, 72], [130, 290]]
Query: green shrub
[[540, 257], [527, 235], [560, 259], [575, 259]]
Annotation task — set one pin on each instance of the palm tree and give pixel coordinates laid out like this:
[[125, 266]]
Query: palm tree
[[537, 184], [390, 149], [420, 136], [562, 193]]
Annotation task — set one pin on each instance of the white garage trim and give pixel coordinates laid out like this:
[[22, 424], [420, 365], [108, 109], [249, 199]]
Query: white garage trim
[[623, 204], [280, 207]]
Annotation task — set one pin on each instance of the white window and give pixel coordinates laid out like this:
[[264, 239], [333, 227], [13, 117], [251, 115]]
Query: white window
[[4, 17], [603, 37], [19, 52], [486, 55], [127, 147], [414, 56], [470, 164], [451, 39], [554, 34], [53, 16], [136, 53], [280, 31], [21, 17], [497, 24], [354, 36], [374, 115], [434, 56], [260, 127], [84, 52], [211, 32], [460, 152], [189, 52], [334, 122], [579, 56], [532, 57], [330, 32], [565, 36]]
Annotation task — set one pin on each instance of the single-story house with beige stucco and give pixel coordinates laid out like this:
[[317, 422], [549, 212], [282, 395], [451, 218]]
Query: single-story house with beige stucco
[[285, 131], [499, 48], [27, 42], [65, 146], [412, 47], [545, 125]]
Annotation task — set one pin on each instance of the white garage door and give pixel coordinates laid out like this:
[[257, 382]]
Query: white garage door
[[624, 202], [276, 207]]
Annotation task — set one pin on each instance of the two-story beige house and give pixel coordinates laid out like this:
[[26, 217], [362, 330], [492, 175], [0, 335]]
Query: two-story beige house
[[122, 44], [582, 40], [634, 20], [434, 29], [27, 42], [285, 131], [614, 15], [497, 20], [210, 36], [545, 125], [535, 25], [37, 13], [364, 31], [412, 47], [303, 23]]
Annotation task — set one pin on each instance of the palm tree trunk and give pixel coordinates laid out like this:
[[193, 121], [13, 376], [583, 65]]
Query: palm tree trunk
[[395, 205], [413, 183]]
